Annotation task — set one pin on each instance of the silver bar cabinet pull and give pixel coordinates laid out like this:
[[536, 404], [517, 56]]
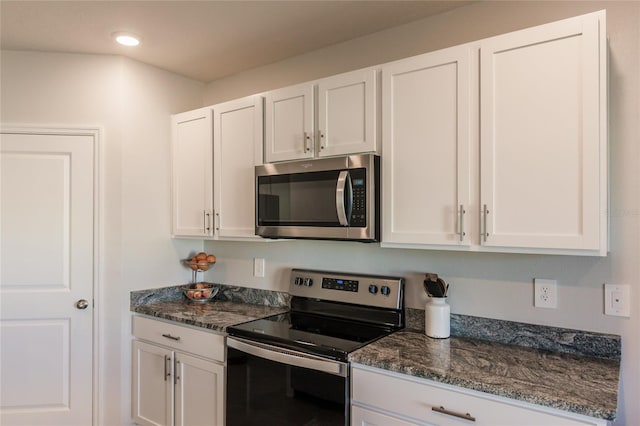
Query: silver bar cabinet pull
[[175, 374], [166, 373], [307, 140], [168, 336], [443, 410], [217, 221], [207, 222], [485, 213], [461, 213], [321, 138]]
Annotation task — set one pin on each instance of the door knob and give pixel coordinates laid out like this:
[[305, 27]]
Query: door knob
[[82, 304]]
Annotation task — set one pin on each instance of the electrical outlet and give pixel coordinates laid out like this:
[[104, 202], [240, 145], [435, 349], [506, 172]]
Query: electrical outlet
[[258, 267], [617, 300], [545, 293]]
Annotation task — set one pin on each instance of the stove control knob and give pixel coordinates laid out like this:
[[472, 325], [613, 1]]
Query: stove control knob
[[385, 291], [297, 281], [373, 289], [308, 282]]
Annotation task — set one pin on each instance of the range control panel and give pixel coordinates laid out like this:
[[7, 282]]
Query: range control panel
[[371, 290], [340, 284]]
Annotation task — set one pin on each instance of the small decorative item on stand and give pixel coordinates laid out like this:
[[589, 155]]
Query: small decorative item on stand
[[198, 263], [437, 311], [199, 291]]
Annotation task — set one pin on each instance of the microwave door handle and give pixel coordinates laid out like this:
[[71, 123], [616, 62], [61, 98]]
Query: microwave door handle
[[349, 190], [343, 177]]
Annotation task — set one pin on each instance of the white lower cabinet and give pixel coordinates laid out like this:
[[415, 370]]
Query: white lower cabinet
[[152, 380], [177, 375], [382, 398], [199, 391]]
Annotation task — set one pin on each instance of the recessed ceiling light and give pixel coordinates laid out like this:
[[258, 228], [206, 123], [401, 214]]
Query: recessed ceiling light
[[126, 39]]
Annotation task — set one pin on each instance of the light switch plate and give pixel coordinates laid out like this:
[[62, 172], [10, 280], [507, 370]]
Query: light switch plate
[[617, 300], [258, 267]]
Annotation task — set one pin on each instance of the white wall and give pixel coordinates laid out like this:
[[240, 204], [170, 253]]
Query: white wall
[[132, 103], [487, 285]]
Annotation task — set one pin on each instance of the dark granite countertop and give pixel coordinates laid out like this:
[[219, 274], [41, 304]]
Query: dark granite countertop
[[231, 306], [577, 383], [215, 315]]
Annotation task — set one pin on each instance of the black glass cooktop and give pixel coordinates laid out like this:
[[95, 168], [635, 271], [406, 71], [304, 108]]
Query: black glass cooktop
[[313, 334]]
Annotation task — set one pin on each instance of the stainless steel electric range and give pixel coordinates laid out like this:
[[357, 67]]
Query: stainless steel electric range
[[292, 368]]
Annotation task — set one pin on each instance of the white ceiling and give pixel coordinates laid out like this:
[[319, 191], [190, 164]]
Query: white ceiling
[[204, 40]]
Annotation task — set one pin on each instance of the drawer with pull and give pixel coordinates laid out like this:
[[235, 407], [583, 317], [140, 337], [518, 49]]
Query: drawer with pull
[[203, 343], [420, 401]]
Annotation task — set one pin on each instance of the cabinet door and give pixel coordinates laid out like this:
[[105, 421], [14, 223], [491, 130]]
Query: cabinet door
[[289, 123], [238, 143], [152, 385], [425, 149], [347, 113], [199, 391], [192, 174], [543, 136]]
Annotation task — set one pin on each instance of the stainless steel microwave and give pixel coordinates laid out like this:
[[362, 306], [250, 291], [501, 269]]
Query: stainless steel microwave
[[331, 198]]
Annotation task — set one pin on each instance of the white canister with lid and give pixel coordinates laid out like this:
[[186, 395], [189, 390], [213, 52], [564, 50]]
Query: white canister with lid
[[437, 315]]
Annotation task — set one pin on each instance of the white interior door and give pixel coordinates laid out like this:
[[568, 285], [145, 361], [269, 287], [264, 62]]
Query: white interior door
[[46, 267]]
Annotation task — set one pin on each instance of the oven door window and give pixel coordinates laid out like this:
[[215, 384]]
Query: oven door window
[[300, 199], [264, 392]]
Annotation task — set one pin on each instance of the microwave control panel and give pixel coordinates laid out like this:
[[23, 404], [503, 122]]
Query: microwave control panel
[[359, 194]]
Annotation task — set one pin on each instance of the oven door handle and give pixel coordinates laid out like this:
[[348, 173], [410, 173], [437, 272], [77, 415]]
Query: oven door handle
[[288, 357]]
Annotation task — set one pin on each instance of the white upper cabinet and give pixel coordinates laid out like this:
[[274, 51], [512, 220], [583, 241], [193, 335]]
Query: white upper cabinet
[[237, 143], [347, 113], [425, 149], [289, 123], [543, 123], [214, 153], [500, 145], [341, 121], [497, 145], [192, 174]]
